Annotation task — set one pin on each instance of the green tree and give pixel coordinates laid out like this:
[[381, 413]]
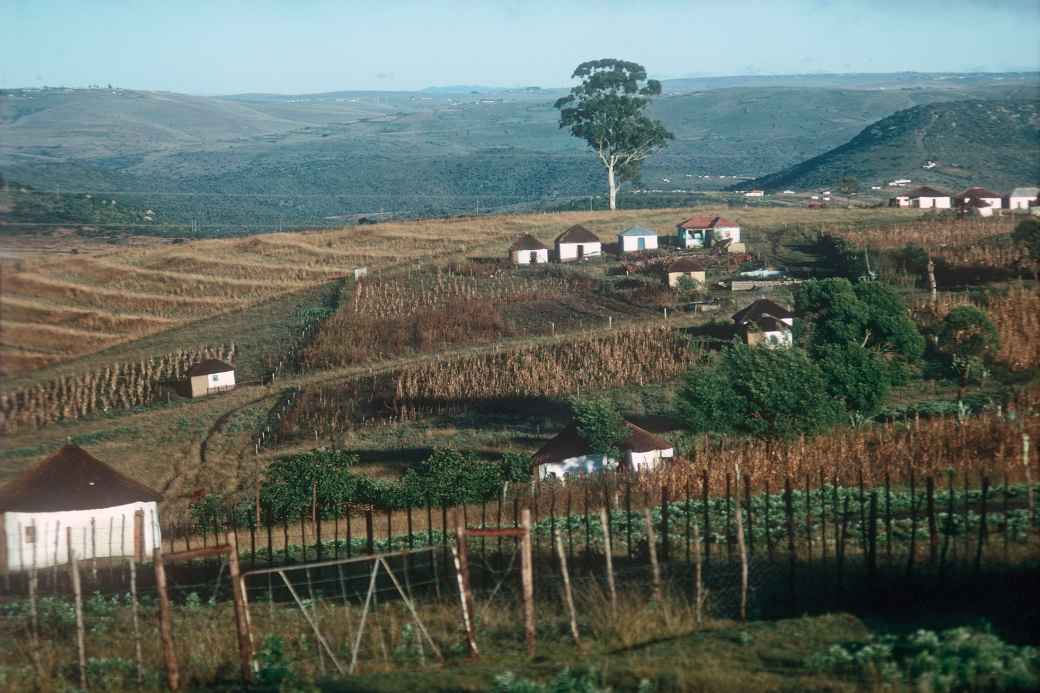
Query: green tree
[[319, 481], [969, 340], [607, 110], [600, 424], [856, 376], [1027, 232], [767, 393], [450, 477], [848, 185]]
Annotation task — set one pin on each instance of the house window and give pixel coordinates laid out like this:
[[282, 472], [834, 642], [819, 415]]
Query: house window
[[215, 378], [30, 534]]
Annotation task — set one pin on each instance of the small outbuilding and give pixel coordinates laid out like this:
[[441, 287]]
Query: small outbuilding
[[685, 267], [992, 199], [528, 250], [974, 206], [73, 499], [568, 454], [637, 238], [209, 377], [764, 307], [577, 243], [929, 198], [766, 323], [704, 231], [1023, 198]]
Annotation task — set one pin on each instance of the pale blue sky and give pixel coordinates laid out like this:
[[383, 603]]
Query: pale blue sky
[[299, 46]]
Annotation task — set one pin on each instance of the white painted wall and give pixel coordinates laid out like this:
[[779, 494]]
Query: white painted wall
[[931, 202], [569, 251], [630, 244], [1020, 202], [111, 534], [645, 461], [585, 464], [722, 233], [691, 239], [530, 257], [778, 339]]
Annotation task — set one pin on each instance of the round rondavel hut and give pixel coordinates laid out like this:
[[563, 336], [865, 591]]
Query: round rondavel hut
[[74, 499]]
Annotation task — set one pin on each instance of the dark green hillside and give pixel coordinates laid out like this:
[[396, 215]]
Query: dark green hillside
[[995, 144]]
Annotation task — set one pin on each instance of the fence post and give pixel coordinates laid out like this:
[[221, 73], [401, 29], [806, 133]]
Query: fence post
[[238, 594], [947, 525], [651, 542], [604, 519], [628, 512], [568, 597], [370, 539], [888, 518], [983, 525], [808, 519], [742, 550], [729, 521], [81, 646], [698, 584], [166, 624], [872, 540], [460, 552], [768, 527], [137, 631], [791, 555], [750, 517], [913, 526], [1031, 501], [527, 579], [933, 533], [707, 520], [840, 549], [823, 517], [665, 543]]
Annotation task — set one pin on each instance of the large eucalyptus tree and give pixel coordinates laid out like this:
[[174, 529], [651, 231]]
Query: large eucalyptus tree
[[607, 110]]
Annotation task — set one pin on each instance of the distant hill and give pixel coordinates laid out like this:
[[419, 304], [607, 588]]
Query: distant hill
[[995, 144]]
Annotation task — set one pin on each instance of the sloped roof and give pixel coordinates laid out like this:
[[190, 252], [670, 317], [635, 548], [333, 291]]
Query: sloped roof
[[568, 443], [925, 191], [1025, 192], [686, 264], [208, 367], [638, 231], [760, 308], [527, 242], [72, 479], [978, 192], [577, 234], [767, 323], [706, 222], [974, 202]]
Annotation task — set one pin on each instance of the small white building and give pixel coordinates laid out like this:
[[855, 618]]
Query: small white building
[[1022, 198], [209, 377], [992, 199], [975, 207], [704, 231], [569, 454], [755, 193], [765, 323], [528, 250], [929, 198], [577, 243], [764, 307], [635, 239], [73, 499], [686, 267]]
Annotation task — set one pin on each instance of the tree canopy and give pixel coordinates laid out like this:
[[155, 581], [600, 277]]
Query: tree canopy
[[600, 424], [1027, 232], [968, 339], [768, 393], [607, 110]]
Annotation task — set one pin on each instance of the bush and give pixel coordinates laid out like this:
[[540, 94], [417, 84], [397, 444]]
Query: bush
[[952, 660], [567, 681]]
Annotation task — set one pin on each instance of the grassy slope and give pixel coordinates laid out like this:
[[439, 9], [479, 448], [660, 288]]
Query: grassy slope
[[973, 142]]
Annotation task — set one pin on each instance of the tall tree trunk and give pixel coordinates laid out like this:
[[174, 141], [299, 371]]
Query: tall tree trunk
[[612, 184]]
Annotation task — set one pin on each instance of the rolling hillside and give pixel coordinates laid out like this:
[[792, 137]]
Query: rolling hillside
[[987, 143], [264, 160]]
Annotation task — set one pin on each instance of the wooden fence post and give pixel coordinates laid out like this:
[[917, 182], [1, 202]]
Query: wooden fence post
[[604, 519], [698, 583], [791, 555], [1031, 500], [665, 540], [173, 679], [139, 660], [742, 550], [238, 593], [983, 525], [527, 577], [568, 597], [913, 526], [933, 532], [460, 552], [81, 645], [651, 542], [872, 539]]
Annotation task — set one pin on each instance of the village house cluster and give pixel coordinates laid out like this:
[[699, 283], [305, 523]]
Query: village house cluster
[[976, 201]]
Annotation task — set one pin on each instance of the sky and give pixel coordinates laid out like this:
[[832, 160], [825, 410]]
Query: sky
[[306, 46]]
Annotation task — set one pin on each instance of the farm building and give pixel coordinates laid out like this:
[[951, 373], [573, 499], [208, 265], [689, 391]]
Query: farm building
[[755, 193], [1022, 198], [975, 206], [763, 307], [577, 243], [685, 267], [767, 331], [991, 198], [929, 198], [210, 376], [568, 453], [637, 238], [528, 250], [73, 499], [703, 231]]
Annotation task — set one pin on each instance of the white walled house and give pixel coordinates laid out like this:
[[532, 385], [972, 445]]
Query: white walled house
[[929, 198], [761, 308], [577, 243], [992, 199], [766, 323], [210, 376], [73, 499], [705, 231], [568, 454], [635, 239], [528, 250], [1022, 198]]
